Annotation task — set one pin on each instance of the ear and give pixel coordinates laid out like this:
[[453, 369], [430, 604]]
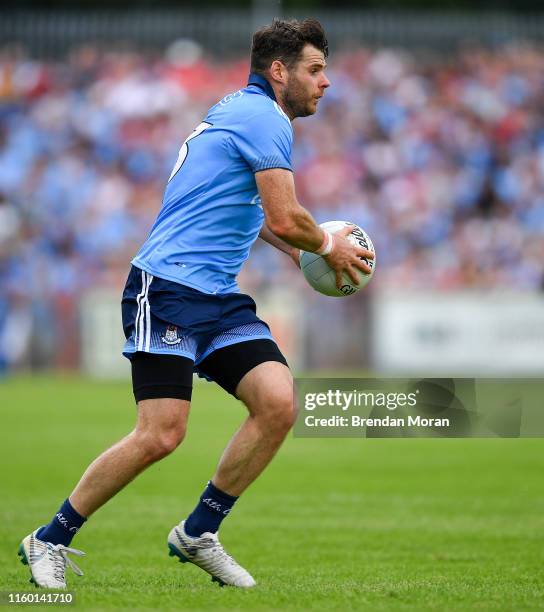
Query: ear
[[278, 71]]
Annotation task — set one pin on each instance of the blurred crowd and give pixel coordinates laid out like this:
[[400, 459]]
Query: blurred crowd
[[440, 158]]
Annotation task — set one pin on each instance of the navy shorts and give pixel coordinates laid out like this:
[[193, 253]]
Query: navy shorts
[[166, 318]]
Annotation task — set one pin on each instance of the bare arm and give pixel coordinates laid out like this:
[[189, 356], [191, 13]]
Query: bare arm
[[268, 236], [285, 217], [293, 224]]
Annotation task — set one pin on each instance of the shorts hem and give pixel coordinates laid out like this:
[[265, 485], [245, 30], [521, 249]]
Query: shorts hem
[[130, 354], [146, 392], [230, 343]]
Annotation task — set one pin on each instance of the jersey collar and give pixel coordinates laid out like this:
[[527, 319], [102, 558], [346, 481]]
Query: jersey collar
[[260, 81]]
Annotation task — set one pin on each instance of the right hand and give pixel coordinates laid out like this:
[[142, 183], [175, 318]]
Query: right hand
[[345, 257]]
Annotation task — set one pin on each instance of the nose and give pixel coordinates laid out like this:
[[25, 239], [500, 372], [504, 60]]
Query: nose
[[325, 82]]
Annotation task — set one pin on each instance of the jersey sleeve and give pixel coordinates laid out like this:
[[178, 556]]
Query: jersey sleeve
[[265, 141]]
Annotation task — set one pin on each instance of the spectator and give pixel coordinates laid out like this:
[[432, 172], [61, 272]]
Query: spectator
[[440, 159]]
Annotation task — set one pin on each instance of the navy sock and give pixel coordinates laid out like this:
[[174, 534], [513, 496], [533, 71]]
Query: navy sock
[[63, 527], [213, 507]]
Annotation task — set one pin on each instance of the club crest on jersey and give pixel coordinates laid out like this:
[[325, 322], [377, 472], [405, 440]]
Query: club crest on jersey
[[171, 335]]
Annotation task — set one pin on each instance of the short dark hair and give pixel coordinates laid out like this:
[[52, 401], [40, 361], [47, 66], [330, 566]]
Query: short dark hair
[[284, 40]]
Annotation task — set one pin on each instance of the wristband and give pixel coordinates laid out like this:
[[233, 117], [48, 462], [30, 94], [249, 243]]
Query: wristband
[[327, 244]]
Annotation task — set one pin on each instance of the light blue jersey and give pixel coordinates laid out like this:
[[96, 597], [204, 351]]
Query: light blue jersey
[[211, 212]]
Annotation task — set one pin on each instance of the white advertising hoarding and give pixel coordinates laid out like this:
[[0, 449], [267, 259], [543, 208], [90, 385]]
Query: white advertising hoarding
[[102, 338], [469, 334]]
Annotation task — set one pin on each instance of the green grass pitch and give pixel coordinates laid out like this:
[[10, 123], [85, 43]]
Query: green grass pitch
[[332, 524]]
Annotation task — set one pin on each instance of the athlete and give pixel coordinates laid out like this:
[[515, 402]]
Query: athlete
[[183, 311]]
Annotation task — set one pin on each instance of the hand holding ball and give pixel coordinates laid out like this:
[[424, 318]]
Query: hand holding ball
[[322, 277]]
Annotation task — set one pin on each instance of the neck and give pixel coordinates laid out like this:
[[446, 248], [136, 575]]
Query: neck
[[271, 91], [262, 83]]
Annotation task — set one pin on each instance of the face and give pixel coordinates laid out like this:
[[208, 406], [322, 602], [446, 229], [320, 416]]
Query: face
[[306, 83]]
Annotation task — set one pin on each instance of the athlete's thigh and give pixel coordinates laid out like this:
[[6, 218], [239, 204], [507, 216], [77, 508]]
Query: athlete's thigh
[[242, 342], [268, 385], [156, 376], [229, 365], [162, 416]]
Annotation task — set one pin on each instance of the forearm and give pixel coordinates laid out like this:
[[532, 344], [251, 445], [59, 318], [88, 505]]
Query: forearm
[[299, 230], [285, 217], [267, 235]]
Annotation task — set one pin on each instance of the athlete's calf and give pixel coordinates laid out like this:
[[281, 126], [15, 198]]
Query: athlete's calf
[[267, 391], [160, 429]]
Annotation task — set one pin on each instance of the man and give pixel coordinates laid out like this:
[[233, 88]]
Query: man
[[182, 309]]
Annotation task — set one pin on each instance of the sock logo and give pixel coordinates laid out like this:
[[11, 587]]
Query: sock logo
[[64, 522], [215, 506]]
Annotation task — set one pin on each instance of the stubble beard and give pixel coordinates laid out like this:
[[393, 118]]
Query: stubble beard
[[296, 101]]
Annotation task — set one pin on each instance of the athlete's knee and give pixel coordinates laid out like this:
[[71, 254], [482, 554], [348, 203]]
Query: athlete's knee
[[279, 412], [267, 391], [286, 414], [157, 444], [167, 442], [161, 427]]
